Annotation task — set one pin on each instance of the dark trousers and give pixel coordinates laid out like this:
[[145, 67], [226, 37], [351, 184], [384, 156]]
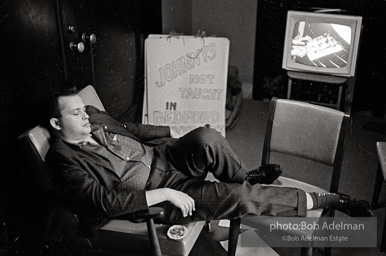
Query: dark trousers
[[184, 164]]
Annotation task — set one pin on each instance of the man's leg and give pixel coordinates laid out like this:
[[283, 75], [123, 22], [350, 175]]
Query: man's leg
[[221, 200], [203, 150]]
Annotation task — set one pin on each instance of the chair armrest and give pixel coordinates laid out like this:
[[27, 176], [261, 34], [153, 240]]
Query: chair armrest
[[148, 216], [151, 213]]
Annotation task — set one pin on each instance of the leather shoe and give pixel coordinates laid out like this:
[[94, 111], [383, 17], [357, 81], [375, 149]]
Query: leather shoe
[[265, 174], [353, 207]]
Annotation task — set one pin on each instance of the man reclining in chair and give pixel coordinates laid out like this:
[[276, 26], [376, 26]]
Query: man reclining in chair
[[108, 169]]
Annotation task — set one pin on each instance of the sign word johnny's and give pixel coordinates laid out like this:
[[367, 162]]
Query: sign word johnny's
[[186, 83], [184, 63]]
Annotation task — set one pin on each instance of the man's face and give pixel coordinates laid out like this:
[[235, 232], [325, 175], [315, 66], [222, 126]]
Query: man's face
[[73, 125]]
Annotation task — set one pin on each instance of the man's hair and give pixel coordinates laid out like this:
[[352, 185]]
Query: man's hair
[[52, 107]]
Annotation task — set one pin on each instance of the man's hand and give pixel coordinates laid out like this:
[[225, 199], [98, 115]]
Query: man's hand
[[182, 201], [179, 199]]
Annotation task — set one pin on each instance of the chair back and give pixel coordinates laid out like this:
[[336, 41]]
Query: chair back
[[307, 131], [90, 97]]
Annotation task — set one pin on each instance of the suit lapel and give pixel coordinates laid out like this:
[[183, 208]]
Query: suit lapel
[[96, 159], [108, 124]]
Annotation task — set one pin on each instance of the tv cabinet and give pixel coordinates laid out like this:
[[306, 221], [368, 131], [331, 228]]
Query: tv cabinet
[[343, 83]]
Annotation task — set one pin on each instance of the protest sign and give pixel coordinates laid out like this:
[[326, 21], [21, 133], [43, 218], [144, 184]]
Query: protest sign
[[185, 85]]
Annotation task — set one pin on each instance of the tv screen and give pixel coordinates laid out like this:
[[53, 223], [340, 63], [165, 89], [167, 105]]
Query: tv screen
[[321, 43]]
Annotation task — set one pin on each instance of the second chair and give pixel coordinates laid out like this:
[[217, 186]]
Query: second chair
[[307, 131]]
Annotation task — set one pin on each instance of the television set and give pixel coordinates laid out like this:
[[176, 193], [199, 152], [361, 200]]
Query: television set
[[322, 43]]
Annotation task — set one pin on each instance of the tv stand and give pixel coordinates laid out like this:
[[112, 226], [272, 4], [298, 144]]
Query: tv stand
[[338, 80]]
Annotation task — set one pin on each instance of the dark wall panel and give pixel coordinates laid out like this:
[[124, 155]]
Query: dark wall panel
[[35, 59], [30, 64]]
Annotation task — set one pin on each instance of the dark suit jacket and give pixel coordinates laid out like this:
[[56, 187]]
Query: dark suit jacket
[[87, 183]]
